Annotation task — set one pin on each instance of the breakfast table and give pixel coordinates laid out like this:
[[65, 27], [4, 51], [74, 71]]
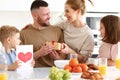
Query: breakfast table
[[43, 73]]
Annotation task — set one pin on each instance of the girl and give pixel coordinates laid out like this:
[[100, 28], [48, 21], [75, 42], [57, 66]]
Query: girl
[[77, 35], [110, 32]]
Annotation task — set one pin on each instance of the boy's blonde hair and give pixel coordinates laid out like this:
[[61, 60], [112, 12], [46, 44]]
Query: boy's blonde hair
[[7, 31]]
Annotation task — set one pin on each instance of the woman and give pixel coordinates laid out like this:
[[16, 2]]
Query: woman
[[77, 35]]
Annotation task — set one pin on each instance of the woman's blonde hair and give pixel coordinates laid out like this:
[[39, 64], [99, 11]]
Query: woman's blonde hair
[[78, 4]]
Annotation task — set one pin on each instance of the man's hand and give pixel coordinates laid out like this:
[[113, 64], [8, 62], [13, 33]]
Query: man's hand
[[45, 50], [55, 55]]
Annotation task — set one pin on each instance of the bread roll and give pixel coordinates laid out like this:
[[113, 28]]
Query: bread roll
[[86, 75], [92, 67], [96, 76], [91, 75]]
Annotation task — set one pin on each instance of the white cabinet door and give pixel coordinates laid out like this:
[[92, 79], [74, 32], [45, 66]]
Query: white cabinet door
[[104, 6]]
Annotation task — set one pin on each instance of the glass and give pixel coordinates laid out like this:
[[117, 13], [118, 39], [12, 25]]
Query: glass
[[3, 76], [117, 61], [103, 66], [73, 56], [92, 61], [3, 64]]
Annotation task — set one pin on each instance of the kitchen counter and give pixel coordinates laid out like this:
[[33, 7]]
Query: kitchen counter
[[42, 74], [37, 73]]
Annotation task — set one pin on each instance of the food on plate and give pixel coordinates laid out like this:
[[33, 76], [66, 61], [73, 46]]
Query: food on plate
[[92, 67], [59, 74], [57, 46], [86, 75], [91, 75], [75, 67], [68, 67], [73, 62], [96, 76], [84, 67], [118, 78]]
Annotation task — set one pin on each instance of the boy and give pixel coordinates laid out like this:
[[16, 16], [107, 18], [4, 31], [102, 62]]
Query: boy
[[9, 36]]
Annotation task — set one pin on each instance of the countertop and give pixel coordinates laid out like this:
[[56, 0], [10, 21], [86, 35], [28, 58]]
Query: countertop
[[43, 73]]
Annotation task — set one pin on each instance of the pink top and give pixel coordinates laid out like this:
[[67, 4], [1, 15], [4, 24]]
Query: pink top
[[108, 51]]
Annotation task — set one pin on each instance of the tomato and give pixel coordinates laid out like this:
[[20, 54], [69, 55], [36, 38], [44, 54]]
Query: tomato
[[84, 67], [73, 62], [77, 69], [68, 67]]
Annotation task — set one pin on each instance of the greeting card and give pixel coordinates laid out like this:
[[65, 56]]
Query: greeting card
[[25, 56]]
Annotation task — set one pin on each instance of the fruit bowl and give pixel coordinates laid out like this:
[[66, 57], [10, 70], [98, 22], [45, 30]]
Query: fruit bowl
[[61, 63]]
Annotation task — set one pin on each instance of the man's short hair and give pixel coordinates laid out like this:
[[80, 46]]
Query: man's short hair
[[38, 3]]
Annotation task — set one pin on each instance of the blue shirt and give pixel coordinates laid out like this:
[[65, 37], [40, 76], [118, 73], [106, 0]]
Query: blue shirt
[[11, 57]]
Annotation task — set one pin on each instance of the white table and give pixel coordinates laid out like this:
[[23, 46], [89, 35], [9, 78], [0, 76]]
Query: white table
[[37, 73], [40, 73]]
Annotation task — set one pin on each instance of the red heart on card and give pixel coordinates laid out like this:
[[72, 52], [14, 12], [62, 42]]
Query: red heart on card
[[24, 57]]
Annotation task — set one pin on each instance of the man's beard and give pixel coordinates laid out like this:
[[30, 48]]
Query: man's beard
[[42, 23]]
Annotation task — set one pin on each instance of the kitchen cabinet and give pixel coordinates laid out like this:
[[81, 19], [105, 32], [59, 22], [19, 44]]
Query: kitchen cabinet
[[104, 6]]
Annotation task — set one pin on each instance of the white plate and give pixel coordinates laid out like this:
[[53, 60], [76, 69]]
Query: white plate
[[46, 78], [76, 73], [93, 70], [75, 76]]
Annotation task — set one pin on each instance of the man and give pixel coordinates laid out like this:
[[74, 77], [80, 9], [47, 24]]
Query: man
[[39, 33]]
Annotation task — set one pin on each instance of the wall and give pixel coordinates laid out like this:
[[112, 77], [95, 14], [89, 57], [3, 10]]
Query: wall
[[58, 5], [15, 5], [21, 18], [16, 12], [15, 18], [24, 5]]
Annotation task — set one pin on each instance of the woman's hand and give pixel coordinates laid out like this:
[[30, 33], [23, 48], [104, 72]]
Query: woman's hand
[[66, 49]]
